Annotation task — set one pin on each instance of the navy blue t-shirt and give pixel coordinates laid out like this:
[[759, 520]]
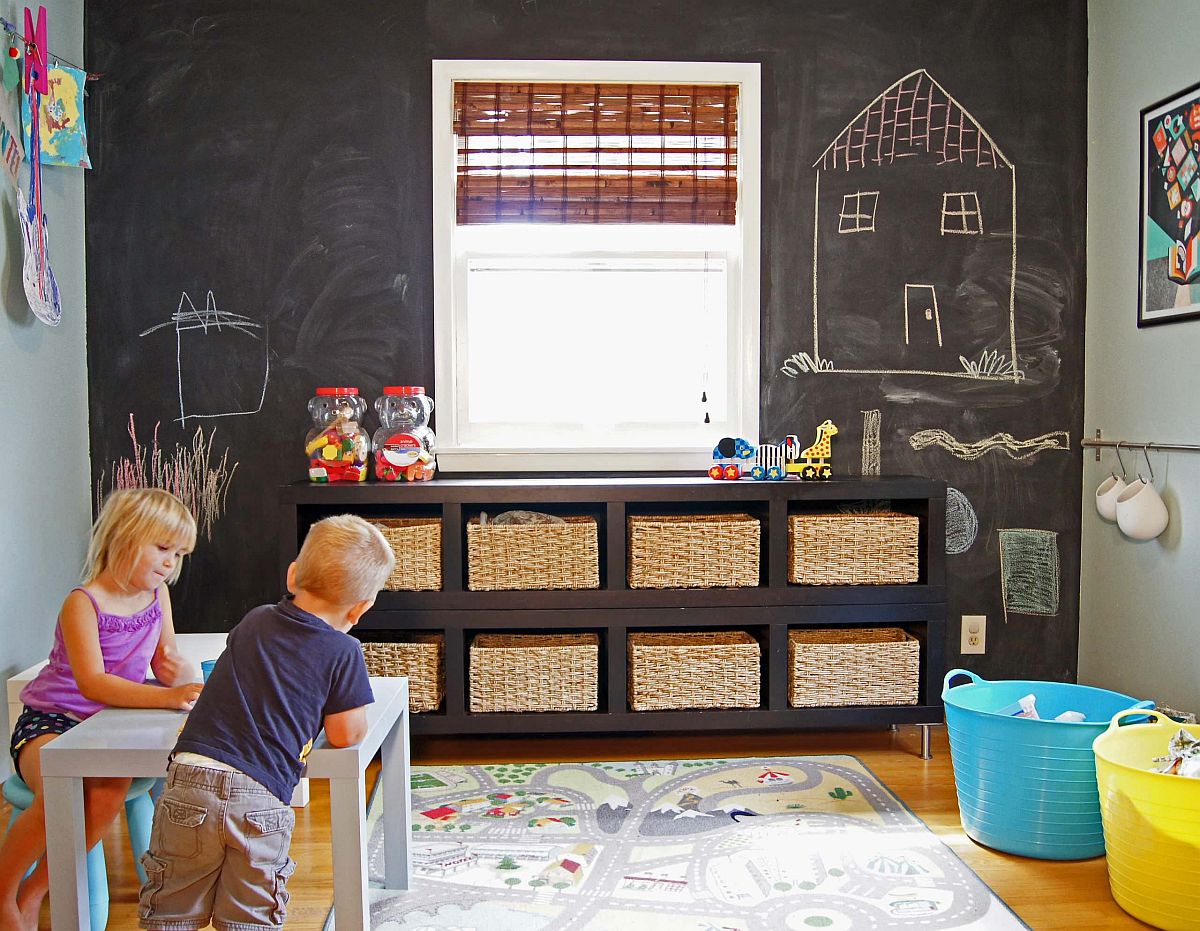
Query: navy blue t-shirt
[[282, 672]]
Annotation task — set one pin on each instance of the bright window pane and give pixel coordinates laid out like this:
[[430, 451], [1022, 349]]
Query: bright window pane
[[595, 341]]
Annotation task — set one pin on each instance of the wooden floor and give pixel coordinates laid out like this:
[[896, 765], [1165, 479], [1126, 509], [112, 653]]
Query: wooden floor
[[1047, 895]]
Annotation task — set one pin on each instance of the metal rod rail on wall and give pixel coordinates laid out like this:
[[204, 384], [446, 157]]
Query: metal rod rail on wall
[[1100, 443]]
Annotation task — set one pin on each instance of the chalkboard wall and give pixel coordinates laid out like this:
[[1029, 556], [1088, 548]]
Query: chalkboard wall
[[259, 223]]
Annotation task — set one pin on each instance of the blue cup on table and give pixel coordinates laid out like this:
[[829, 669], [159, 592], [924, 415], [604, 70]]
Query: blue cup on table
[[206, 668]]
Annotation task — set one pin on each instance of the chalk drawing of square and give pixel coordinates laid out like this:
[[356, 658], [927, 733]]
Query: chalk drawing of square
[[1029, 571], [223, 369], [222, 360]]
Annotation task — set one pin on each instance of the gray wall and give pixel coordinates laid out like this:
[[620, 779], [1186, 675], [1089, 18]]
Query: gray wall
[[45, 504], [1139, 622]]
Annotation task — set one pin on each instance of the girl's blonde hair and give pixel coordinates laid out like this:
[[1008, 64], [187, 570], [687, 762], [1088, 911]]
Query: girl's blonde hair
[[130, 519], [344, 560]]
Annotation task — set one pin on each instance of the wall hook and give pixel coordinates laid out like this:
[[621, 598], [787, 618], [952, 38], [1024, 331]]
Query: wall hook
[[1146, 453]]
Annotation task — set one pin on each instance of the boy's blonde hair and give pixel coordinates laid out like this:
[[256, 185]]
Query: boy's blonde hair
[[130, 519], [344, 560]]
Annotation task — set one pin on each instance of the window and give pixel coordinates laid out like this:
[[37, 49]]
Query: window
[[596, 263], [858, 212], [960, 213]]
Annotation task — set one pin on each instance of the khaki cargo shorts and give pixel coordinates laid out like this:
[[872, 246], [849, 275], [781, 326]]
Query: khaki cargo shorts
[[218, 852]]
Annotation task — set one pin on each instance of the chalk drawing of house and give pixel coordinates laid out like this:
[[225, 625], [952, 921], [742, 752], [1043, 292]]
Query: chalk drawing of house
[[222, 360], [914, 243]]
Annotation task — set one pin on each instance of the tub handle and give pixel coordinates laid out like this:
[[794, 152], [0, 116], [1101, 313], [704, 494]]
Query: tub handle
[[953, 673], [1144, 710]]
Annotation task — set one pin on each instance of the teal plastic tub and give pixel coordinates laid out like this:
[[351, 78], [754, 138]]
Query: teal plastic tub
[[1028, 786]]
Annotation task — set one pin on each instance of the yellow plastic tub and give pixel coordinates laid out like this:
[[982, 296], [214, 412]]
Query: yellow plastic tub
[[1151, 822]]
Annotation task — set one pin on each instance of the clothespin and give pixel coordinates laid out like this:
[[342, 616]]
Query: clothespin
[[37, 57]]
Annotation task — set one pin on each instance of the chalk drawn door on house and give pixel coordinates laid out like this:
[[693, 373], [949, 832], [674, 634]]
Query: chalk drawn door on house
[[922, 323]]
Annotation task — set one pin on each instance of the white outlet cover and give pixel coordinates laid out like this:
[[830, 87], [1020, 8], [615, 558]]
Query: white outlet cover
[[974, 634]]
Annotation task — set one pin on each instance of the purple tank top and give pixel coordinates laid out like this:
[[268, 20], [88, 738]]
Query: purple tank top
[[127, 645]]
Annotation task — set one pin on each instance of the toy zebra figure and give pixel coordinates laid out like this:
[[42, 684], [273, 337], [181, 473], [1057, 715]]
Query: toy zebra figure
[[769, 463], [813, 462]]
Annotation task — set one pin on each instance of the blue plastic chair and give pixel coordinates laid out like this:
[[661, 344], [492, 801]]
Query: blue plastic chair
[[139, 812]]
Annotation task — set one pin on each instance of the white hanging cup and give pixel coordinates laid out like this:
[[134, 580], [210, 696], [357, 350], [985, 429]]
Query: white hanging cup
[[1141, 513], [1106, 496]]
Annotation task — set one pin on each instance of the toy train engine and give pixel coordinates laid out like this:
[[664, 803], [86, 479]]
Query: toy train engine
[[730, 456]]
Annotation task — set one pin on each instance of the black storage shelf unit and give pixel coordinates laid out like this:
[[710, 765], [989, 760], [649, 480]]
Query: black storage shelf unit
[[768, 611]]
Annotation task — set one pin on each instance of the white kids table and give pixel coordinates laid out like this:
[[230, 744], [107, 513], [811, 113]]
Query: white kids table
[[195, 648], [137, 742]]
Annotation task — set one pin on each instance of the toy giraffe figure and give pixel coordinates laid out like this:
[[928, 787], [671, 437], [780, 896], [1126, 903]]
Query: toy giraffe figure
[[815, 459]]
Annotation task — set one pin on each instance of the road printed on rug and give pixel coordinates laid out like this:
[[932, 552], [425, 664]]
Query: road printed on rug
[[793, 843]]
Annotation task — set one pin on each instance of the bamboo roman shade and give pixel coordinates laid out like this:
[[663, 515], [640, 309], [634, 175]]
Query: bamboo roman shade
[[595, 153]]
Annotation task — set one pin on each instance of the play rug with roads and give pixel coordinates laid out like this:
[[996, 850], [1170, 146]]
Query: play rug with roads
[[703, 845]]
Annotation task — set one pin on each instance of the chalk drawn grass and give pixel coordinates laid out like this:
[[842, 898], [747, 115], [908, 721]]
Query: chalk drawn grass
[[993, 366], [188, 473], [802, 362]]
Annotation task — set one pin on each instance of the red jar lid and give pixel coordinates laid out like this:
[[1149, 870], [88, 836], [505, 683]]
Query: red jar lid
[[404, 389], [327, 391]]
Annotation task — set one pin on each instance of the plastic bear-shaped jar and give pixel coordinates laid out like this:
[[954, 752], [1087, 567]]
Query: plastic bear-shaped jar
[[405, 447], [338, 446]]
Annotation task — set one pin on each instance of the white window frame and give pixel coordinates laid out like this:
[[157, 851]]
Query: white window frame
[[745, 315], [852, 209], [970, 218]]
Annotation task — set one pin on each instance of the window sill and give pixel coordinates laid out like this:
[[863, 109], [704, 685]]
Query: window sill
[[548, 460]]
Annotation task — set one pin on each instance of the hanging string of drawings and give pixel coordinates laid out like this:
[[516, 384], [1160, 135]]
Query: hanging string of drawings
[[187, 473]]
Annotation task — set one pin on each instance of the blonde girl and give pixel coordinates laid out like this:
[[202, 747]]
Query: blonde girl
[[111, 630]]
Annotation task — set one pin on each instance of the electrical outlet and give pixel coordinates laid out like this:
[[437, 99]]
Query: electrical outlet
[[974, 634]]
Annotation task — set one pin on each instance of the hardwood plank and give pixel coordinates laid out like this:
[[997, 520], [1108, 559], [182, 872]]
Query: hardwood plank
[[1047, 895]]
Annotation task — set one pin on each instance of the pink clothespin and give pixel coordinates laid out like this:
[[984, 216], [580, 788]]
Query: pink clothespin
[[37, 77]]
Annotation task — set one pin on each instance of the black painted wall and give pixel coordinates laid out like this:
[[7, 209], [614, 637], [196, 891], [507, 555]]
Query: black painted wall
[[277, 154]]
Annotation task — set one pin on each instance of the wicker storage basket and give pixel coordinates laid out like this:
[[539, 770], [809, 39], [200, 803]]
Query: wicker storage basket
[[718, 669], [693, 551], [534, 672], [525, 556], [852, 549], [853, 666], [417, 543], [418, 656]]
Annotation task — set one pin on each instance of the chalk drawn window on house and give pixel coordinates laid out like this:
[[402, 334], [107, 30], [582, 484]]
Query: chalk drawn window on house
[[858, 212], [596, 249], [960, 213]]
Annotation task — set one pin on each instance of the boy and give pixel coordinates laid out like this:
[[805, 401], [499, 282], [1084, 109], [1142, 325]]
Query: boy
[[219, 847]]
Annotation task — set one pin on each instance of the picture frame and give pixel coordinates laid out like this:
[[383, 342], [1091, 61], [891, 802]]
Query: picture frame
[[1169, 210]]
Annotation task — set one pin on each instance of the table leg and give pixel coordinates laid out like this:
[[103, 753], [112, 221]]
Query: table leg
[[348, 829], [66, 854], [395, 783]]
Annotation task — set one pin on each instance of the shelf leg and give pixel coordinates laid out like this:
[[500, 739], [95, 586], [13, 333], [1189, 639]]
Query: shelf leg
[[926, 742]]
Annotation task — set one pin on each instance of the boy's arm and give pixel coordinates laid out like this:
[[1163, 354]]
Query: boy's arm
[[346, 728], [168, 664]]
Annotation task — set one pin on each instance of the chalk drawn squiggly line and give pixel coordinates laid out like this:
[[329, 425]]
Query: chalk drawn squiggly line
[[1004, 442]]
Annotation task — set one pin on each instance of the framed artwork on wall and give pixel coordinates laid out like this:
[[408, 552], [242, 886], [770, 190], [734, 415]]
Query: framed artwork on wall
[[1169, 238]]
